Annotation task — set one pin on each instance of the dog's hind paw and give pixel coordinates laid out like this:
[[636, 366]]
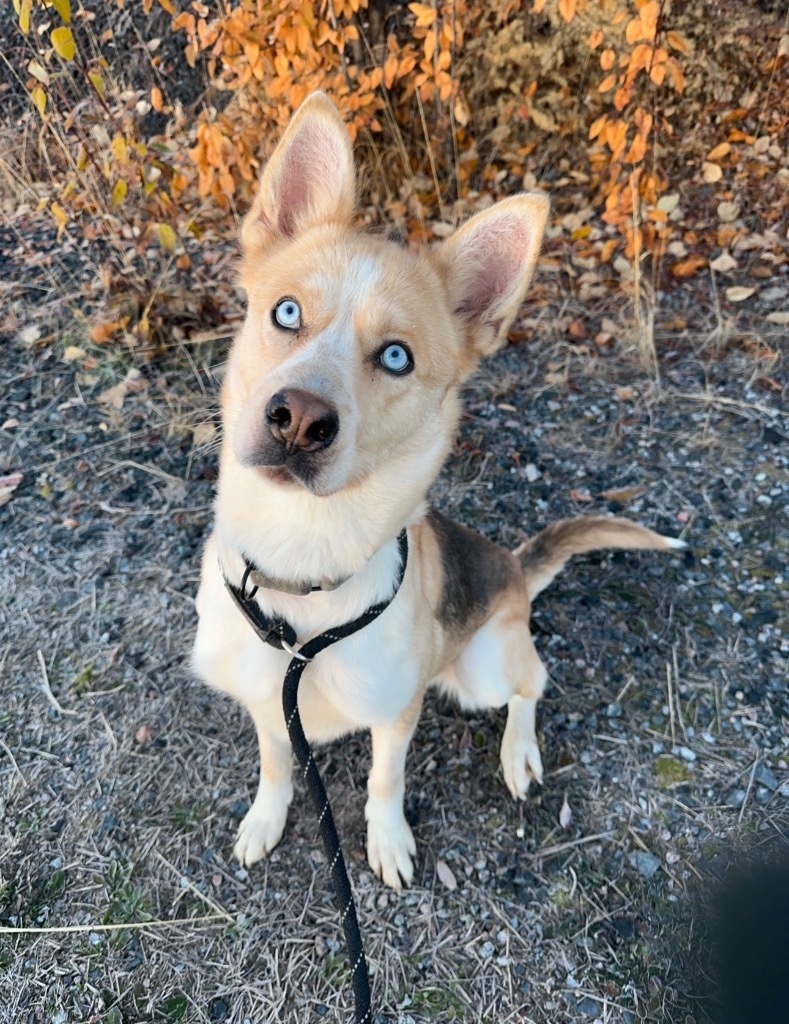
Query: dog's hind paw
[[390, 847], [261, 830]]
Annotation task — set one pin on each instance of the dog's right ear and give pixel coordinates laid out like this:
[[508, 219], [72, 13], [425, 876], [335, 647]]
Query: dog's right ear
[[309, 179]]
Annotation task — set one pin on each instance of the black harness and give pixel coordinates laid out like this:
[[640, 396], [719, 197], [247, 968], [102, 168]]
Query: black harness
[[280, 634]]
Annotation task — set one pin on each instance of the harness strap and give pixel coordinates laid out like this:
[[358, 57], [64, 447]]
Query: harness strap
[[281, 634]]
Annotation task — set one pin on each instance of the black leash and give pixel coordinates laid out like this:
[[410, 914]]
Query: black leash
[[280, 634]]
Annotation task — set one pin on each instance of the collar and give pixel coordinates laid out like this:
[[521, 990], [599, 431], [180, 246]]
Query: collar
[[261, 581], [280, 634]]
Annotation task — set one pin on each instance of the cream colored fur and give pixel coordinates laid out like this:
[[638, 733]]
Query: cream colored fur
[[465, 629]]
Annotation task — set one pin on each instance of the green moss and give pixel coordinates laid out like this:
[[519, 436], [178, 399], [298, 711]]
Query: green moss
[[669, 771]]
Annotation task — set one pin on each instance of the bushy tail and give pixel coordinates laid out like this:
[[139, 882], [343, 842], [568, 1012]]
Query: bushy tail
[[545, 554]]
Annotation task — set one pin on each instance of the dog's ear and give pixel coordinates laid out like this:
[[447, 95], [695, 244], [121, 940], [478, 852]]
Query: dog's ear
[[487, 266], [309, 179]]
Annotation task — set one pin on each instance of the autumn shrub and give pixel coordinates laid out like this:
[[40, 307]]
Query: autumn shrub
[[449, 102]]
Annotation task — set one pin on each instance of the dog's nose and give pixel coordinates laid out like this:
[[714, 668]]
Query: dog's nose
[[300, 420]]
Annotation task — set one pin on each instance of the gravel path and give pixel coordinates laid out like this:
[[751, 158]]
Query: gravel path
[[122, 779]]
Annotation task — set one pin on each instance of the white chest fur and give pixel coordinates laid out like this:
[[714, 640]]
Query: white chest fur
[[364, 680]]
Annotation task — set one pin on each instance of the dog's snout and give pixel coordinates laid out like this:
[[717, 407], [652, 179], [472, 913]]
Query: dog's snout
[[301, 420]]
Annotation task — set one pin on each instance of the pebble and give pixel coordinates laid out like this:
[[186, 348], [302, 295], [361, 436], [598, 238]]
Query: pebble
[[647, 864], [765, 776]]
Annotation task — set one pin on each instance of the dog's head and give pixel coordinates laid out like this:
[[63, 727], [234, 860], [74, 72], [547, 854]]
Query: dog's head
[[350, 361]]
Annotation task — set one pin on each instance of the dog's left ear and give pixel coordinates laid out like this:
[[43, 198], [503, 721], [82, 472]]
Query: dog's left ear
[[309, 179], [487, 266]]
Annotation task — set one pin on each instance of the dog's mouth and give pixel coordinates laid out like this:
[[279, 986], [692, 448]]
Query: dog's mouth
[[280, 475], [296, 474]]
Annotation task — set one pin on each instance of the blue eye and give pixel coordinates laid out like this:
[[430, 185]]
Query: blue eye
[[396, 358], [287, 314]]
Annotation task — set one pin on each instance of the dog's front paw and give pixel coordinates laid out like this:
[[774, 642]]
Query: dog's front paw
[[390, 845], [520, 763], [262, 827]]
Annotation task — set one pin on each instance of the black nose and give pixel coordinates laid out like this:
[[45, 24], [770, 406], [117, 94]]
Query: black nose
[[300, 420]]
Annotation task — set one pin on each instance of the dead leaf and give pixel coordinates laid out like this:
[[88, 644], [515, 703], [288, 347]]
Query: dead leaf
[[738, 293], [565, 814], [133, 382], [29, 335], [688, 267], [711, 172], [728, 212], [583, 497], [724, 263], [780, 317], [143, 735], [623, 494], [445, 875], [719, 152], [203, 433], [543, 121], [101, 333], [72, 353], [8, 484], [624, 394], [10, 424]]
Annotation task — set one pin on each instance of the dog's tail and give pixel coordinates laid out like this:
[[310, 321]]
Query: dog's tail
[[545, 554]]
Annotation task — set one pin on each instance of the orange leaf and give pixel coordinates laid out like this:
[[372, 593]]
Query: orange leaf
[[649, 18], [157, 101], [101, 333], [539, 5], [719, 152], [676, 42], [658, 73], [425, 14], [567, 9], [595, 39], [637, 150], [634, 30], [689, 267], [597, 126], [607, 83], [607, 58]]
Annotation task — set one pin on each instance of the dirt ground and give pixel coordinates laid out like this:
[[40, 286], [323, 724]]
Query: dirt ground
[[122, 779]]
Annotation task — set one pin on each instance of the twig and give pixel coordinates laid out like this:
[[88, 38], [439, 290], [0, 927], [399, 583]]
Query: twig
[[193, 888], [680, 716], [670, 705], [551, 851], [748, 791], [709, 399], [48, 689], [13, 760], [69, 929]]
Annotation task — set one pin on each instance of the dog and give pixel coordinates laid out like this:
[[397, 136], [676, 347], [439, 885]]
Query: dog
[[339, 406]]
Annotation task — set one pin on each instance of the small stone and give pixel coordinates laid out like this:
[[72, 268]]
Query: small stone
[[646, 864], [765, 776], [588, 1007], [532, 473], [736, 798]]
